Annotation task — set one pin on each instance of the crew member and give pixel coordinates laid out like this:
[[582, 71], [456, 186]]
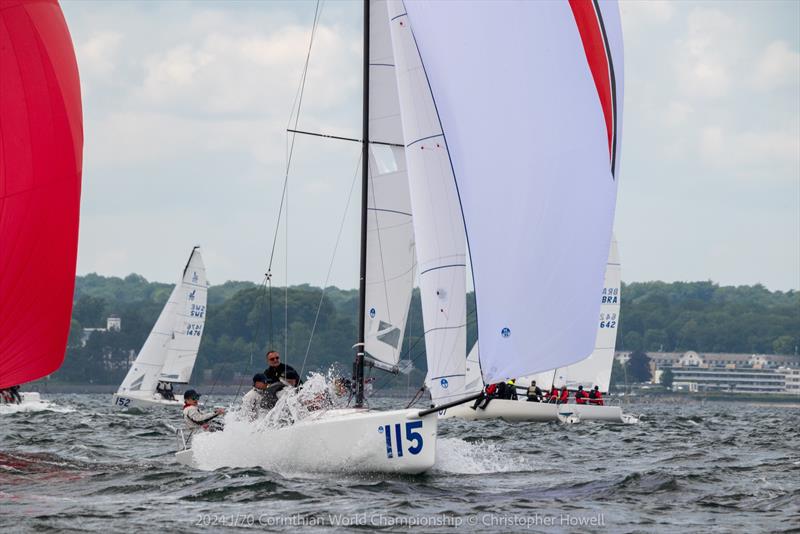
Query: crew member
[[262, 398], [563, 398], [194, 417], [165, 390], [277, 371], [553, 397], [511, 389], [487, 395], [534, 393], [595, 397], [15, 396], [581, 396]]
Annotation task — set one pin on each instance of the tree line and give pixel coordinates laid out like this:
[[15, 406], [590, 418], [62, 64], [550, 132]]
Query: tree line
[[245, 319]]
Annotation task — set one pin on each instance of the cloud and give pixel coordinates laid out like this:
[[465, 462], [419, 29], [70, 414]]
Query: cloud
[[777, 67], [97, 55], [636, 15], [708, 53]]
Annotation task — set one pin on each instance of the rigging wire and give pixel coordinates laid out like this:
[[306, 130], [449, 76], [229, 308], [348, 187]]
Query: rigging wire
[[283, 206], [330, 265]]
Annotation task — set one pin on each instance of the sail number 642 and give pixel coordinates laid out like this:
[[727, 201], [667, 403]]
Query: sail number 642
[[394, 444]]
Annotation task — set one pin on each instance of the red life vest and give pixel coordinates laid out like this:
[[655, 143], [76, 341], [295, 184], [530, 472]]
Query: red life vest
[[580, 397], [491, 389], [598, 398], [564, 396]]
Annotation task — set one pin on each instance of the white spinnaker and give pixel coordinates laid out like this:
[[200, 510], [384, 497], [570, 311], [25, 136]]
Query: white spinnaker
[[596, 369], [438, 223], [189, 322], [529, 147], [390, 232]]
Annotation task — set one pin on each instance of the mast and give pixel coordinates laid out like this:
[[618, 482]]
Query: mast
[[358, 365]]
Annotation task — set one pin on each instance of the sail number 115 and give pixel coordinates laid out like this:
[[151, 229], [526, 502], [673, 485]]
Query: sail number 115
[[394, 444]]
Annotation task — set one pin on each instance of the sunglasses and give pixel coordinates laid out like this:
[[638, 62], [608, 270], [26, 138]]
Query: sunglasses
[[273, 359]]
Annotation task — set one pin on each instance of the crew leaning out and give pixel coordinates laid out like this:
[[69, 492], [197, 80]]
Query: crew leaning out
[[280, 372], [194, 417], [262, 398]]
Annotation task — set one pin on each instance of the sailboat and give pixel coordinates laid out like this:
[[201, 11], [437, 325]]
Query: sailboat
[[41, 151], [519, 148], [359, 438], [592, 371], [510, 153], [170, 350]]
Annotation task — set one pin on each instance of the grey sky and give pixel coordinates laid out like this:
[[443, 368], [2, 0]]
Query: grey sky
[[186, 106]]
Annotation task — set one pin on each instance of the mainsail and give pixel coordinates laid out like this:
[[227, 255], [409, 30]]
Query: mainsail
[[189, 321], [530, 121], [438, 223], [41, 150], [170, 350], [390, 232]]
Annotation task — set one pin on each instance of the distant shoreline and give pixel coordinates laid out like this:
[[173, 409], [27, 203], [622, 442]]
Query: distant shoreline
[[233, 389]]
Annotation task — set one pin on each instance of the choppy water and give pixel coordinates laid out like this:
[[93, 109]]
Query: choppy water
[[704, 467]]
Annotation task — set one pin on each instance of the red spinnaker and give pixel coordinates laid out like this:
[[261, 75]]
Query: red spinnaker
[[41, 146]]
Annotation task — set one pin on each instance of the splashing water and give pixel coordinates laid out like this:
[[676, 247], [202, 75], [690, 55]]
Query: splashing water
[[37, 406], [244, 443], [454, 455]]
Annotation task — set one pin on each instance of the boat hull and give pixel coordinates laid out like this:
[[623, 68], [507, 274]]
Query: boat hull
[[347, 440], [145, 401], [519, 411]]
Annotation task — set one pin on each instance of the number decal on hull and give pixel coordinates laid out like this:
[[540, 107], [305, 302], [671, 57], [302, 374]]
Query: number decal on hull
[[123, 402], [412, 436]]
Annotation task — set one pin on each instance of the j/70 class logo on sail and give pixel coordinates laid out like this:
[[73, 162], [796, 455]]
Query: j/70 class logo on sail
[[411, 436]]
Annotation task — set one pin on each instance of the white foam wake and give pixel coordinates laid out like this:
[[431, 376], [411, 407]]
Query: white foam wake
[[37, 406], [456, 456]]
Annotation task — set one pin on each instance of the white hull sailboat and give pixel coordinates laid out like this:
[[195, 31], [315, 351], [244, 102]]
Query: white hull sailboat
[[169, 352], [593, 371], [359, 439]]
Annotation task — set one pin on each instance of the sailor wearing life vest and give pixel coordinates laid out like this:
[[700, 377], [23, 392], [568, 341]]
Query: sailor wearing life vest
[[581, 395], [595, 397], [195, 419]]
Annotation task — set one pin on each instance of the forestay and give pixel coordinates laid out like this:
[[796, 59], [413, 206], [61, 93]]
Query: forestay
[[390, 233], [438, 223], [529, 109]]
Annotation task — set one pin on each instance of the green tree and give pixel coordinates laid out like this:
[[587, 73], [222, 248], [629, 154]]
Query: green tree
[[639, 367], [784, 345], [633, 341], [667, 378]]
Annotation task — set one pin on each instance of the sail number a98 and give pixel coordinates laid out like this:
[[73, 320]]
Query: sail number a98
[[395, 441]]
